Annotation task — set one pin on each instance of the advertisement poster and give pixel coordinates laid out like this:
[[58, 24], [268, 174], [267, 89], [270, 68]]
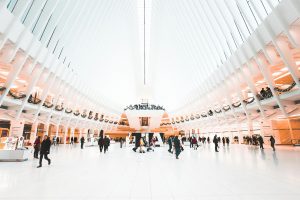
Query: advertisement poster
[[16, 128]]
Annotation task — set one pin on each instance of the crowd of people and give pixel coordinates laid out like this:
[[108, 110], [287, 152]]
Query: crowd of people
[[42, 147], [143, 146], [175, 143], [257, 140]]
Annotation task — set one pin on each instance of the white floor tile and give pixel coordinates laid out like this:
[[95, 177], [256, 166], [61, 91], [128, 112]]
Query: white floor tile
[[237, 172]]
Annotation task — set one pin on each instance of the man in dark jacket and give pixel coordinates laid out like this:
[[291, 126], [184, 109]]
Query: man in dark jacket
[[261, 142], [272, 140], [215, 141], [45, 150], [101, 143], [177, 146], [121, 142], [82, 141], [227, 141], [170, 140], [106, 143]]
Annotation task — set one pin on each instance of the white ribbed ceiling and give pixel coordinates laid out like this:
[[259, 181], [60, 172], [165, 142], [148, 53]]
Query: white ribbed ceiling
[[186, 42]]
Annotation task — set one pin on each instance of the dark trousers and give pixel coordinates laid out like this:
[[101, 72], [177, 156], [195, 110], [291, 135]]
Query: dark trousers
[[45, 155], [261, 145], [170, 148], [82, 145], [177, 152], [105, 149], [273, 146], [216, 147], [100, 147], [36, 152]]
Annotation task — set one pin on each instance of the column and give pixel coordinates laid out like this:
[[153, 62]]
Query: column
[[33, 132]]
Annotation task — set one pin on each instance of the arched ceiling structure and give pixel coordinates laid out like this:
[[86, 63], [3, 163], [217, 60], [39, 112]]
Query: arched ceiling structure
[[187, 44]]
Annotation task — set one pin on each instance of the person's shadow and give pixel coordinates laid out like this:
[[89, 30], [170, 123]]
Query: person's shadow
[[263, 154], [275, 159]]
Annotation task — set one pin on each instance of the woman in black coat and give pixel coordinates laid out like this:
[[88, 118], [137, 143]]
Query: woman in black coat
[[261, 142], [106, 142], [101, 143], [37, 146], [216, 141], [177, 146], [272, 140], [82, 140]]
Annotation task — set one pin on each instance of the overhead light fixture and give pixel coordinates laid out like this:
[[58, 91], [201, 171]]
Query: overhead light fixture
[[14, 86], [36, 88], [283, 75], [261, 81], [276, 73], [21, 81], [285, 69], [4, 73]]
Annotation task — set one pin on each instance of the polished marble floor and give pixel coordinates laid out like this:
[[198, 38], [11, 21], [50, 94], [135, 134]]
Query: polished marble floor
[[237, 172]]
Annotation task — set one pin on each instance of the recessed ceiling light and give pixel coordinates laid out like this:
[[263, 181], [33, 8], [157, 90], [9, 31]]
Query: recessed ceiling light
[[21, 81], [4, 73], [285, 69], [276, 73], [14, 87], [261, 81]]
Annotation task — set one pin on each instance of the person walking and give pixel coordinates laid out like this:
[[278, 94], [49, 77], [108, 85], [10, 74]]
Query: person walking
[[215, 141], [54, 140], [37, 146], [72, 141], [45, 150], [194, 143], [223, 141], [227, 141], [190, 140], [177, 146], [106, 143], [170, 144], [57, 140], [272, 140], [261, 142], [203, 140], [82, 140], [101, 143], [121, 143]]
